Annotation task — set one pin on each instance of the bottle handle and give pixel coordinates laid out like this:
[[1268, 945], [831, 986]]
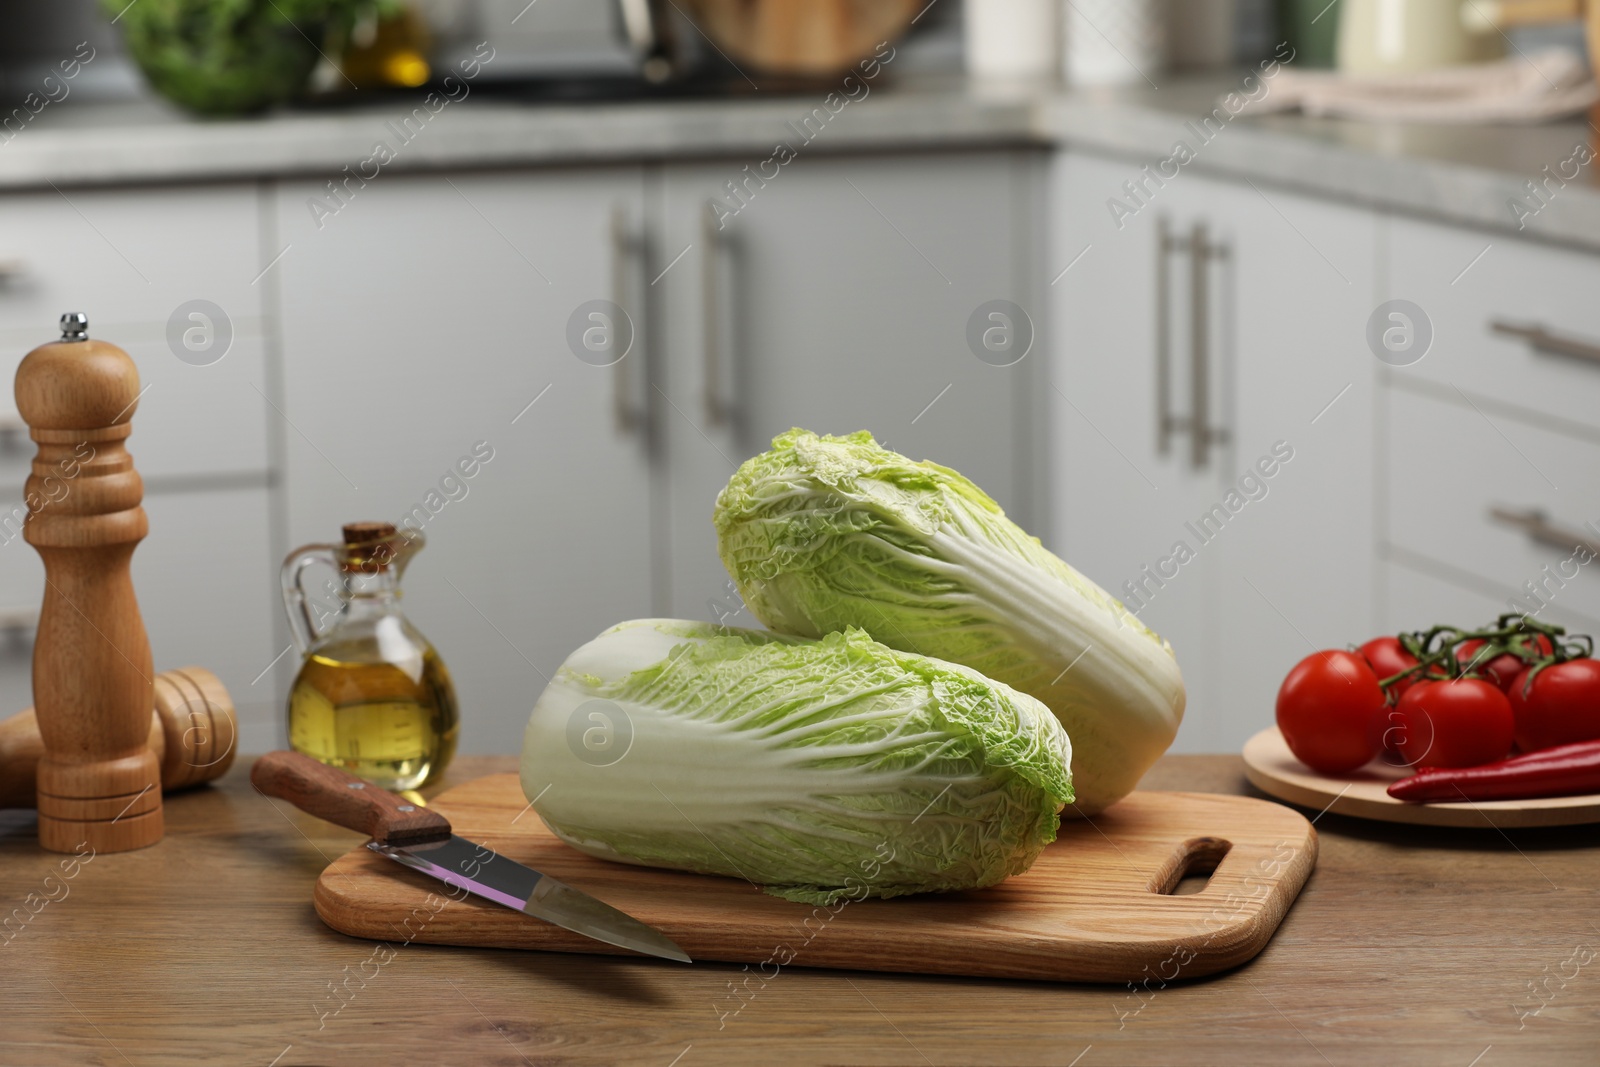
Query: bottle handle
[[302, 623]]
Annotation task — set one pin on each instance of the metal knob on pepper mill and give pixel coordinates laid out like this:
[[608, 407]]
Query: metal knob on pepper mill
[[98, 781]]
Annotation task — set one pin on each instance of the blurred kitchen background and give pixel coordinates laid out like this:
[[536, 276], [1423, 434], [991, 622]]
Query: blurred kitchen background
[[347, 256]]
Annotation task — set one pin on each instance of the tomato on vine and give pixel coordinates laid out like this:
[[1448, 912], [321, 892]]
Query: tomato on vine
[[1444, 697], [1388, 657], [1558, 705], [1501, 669], [1462, 722], [1330, 709]]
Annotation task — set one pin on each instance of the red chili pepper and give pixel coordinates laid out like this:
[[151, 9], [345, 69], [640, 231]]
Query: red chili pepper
[[1563, 771]]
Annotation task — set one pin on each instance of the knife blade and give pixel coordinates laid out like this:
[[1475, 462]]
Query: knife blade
[[421, 838]]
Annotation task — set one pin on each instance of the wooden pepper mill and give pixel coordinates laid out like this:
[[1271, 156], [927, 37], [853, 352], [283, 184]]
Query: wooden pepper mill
[[194, 732], [99, 783]]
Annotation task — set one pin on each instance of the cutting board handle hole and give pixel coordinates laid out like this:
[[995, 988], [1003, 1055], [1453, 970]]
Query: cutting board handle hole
[[1190, 867]]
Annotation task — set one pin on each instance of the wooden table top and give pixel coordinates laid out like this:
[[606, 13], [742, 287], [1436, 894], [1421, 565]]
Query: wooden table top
[[1409, 945]]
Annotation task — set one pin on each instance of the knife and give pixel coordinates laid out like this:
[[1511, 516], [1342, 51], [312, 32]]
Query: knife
[[421, 839]]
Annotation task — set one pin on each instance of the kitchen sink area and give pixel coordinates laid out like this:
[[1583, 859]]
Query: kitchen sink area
[[1034, 531]]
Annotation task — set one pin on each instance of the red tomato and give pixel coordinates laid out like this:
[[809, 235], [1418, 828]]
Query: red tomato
[[1562, 707], [1388, 659], [1458, 723], [1504, 668], [1329, 710]]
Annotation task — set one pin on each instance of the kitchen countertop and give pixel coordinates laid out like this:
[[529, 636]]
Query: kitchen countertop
[[1408, 945], [1460, 174]]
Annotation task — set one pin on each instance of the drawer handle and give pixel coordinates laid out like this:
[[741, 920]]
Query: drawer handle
[[718, 352], [627, 266], [1536, 524], [1542, 340], [1202, 434]]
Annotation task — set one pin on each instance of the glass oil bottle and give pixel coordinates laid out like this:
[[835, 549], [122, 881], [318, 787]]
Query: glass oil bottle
[[372, 695]]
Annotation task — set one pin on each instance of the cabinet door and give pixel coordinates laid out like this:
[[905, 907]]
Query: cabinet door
[[836, 297], [133, 260], [1127, 494], [207, 589], [1300, 575], [429, 318], [1258, 300]]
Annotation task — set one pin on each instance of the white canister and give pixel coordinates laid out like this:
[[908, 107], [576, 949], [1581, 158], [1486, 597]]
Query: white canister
[[1112, 42], [1012, 38]]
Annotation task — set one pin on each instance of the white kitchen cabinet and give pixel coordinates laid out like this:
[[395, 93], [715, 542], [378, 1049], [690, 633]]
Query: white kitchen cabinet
[[207, 592], [1511, 503], [838, 298], [1259, 300], [429, 314], [129, 258], [1452, 596], [126, 258], [1515, 322], [1494, 483]]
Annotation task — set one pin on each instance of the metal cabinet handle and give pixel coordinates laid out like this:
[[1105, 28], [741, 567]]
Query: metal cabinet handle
[[1536, 523], [1167, 423], [718, 377], [627, 269], [1542, 340], [1202, 434]]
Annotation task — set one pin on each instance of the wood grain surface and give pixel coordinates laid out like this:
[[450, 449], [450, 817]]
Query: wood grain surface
[[1413, 945], [1272, 768], [1098, 906]]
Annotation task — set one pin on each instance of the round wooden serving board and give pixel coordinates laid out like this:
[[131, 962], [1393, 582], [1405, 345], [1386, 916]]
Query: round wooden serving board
[[1098, 906], [1272, 768]]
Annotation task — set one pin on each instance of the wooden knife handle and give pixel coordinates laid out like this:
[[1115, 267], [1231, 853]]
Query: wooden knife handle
[[345, 800]]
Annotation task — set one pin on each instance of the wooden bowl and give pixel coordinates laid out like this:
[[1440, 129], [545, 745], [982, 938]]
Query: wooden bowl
[[1272, 768], [802, 37]]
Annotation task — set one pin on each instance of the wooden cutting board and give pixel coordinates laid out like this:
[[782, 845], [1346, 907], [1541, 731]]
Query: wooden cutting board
[[1098, 906]]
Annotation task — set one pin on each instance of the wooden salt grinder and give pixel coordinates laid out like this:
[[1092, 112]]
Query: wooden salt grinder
[[194, 733], [99, 783]]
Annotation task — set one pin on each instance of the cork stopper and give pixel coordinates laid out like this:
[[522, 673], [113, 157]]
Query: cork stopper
[[369, 547]]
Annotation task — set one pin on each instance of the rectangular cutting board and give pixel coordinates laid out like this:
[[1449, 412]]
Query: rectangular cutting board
[[1096, 907]]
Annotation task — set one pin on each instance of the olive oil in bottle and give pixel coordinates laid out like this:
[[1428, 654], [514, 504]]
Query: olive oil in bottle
[[375, 719], [372, 695]]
